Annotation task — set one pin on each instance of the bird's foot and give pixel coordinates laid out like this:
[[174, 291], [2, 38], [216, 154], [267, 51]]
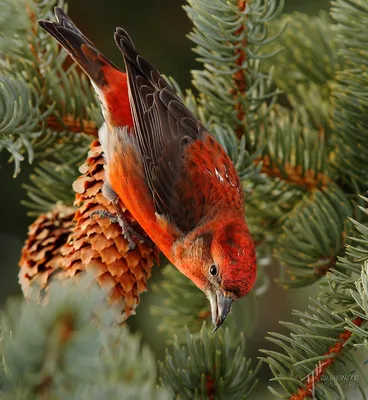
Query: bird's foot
[[105, 214], [127, 230]]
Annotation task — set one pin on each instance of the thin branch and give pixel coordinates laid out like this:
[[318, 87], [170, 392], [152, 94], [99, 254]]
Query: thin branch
[[239, 76], [210, 387], [308, 179], [69, 123], [322, 366]]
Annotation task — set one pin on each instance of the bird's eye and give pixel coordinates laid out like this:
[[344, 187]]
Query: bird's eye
[[213, 270]]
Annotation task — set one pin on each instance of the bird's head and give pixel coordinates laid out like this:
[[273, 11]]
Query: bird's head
[[221, 261]]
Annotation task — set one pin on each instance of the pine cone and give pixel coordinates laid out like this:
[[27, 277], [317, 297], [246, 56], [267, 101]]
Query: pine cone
[[41, 254], [95, 245]]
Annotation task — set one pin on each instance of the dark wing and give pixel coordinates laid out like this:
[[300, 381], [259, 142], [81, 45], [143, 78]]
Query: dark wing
[[164, 128], [167, 134]]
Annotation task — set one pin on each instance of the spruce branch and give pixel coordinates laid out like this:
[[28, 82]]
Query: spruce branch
[[20, 117], [320, 346], [40, 96], [350, 102], [209, 366], [70, 124], [322, 366], [294, 153], [304, 39], [228, 36], [67, 348], [300, 154], [11, 34], [349, 92], [51, 181], [183, 305], [292, 163], [306, 65], [350, 16], [239, 76], [313, 236]]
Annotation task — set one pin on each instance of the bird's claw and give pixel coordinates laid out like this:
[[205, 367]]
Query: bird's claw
[[141, 238], [127, 230], [105, 214]]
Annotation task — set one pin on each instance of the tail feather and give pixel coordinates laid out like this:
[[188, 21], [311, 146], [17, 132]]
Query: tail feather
[[137, 65], [108, 81], [80, 48], [65, 21]]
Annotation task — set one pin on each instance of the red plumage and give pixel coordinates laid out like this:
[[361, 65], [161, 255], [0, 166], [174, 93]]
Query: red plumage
[[115, 93]]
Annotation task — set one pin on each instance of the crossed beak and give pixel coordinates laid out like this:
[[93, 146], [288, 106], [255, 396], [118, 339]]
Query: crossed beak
[[220, 307]]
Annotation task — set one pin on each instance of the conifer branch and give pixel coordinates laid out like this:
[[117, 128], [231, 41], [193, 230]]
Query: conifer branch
[[215, 367], [52, 179], [348, 92], [239, 76], [319, 347], [292, 163], [305, 180], [184, 307], [313, 235], [306, 66], [295, 153], [70, 124], [38, 91], [321, 368], [67, 348], [300, 153], [229, 36]]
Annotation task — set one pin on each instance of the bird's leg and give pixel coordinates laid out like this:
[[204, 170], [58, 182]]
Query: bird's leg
[[127, 230], [105, 214]]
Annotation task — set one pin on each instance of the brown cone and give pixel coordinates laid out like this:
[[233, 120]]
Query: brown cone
[[41, 254], [97, 246]]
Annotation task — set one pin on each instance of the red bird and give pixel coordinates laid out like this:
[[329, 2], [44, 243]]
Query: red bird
[[170, 173]]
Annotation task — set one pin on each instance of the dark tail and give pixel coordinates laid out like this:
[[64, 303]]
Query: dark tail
[[81, 49]]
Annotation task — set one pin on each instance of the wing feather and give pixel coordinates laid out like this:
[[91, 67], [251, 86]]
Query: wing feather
[[168, 137]]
